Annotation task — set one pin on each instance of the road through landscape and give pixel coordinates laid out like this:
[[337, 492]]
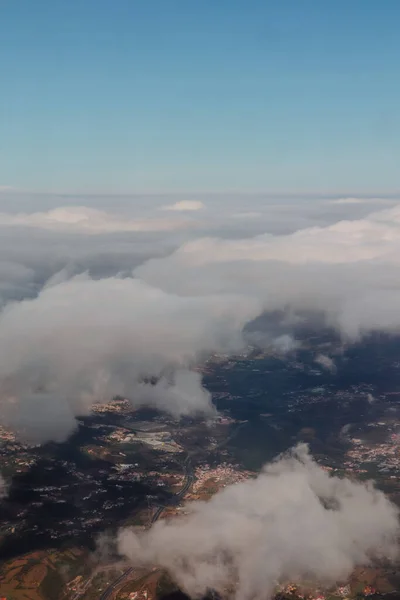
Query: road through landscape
[[189, 478]]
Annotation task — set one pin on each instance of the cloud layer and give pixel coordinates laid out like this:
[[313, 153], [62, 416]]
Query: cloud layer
[[84, 340], [89, 220], [87, 316], [294, 522], [348, 270]]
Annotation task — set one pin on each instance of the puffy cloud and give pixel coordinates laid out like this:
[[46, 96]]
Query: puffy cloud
[[88, 220], [349, 270], [292, 522], [344, 242], [74, 339], [84, 340], [185, 205]]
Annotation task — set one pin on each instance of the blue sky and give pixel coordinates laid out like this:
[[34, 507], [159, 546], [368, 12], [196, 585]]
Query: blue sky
[[121, 96]]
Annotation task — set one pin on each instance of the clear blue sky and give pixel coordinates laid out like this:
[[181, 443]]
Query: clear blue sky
[[143, 95]]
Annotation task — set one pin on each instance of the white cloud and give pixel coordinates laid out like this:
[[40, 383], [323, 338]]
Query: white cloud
[[293, 522], [349, 270], [185, 205], [84, 340], [82, 219], [193, 299]]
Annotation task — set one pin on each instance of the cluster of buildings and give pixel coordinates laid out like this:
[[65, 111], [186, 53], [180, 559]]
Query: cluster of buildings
[[116, 406], [6, 435], [139, 595], [19, 463], [125, 472], [15, 456], [224, 474], [318, 593], [385, 455], [296, 591]]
